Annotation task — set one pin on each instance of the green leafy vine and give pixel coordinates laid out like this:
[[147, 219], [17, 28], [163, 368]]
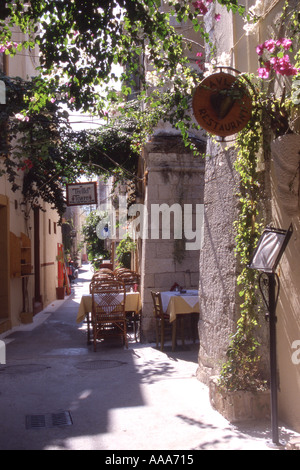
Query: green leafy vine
[[124, 250], [241, 371]]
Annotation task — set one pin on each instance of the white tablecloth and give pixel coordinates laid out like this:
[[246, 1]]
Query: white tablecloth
[[174, 303], [191, 297]]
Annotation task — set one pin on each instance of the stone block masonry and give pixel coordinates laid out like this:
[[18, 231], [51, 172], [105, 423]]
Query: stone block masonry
[[175, 177]]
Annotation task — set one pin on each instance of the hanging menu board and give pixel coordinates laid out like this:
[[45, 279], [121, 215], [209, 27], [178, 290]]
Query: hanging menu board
[[82, 194]]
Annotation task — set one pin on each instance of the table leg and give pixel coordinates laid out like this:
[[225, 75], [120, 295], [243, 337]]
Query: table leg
[[162, 335], [174, 328], [182, 331], [88, 321], [195, 320]]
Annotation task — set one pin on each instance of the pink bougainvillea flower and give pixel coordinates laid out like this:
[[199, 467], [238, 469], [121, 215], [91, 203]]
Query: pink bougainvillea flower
[[199, 5], [217, 17], [21, 117], [260, 49], [198, 62], [8, 46], [28, 164], [283, 66], [284, 42], [263, 72], [270, 45]]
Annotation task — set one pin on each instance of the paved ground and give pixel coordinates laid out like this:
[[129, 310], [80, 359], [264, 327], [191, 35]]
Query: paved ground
[[117, 399]]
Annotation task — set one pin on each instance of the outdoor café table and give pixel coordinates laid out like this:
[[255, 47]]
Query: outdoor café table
[[132, 304], [174, 303], [180, 303]]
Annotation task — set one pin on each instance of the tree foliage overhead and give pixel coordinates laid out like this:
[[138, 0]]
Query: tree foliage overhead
[[49, 152], [80, 42]]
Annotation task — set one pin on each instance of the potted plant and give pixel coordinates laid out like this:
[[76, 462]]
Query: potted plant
[[239, 405], [60, 292], [240, 392], [124, 252]]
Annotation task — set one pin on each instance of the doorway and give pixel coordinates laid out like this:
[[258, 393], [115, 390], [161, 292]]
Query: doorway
[[37, 301]]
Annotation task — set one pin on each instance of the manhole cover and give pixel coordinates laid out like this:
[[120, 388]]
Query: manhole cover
[[97, 365], [23, 369], [50, 420]]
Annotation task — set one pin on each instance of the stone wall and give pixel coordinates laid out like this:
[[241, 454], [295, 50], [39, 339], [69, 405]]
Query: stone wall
[[174, 176], [218, 270]]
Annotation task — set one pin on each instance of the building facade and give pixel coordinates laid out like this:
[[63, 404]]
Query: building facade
[[279, 176], [29, 237]]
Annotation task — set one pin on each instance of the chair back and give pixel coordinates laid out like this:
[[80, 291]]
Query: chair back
[[157, 305], [108, 299], [104, 271], [131, 280], [119, 271], [99, 279]]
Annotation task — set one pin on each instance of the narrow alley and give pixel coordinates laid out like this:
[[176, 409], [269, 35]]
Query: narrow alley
[[57, 394]]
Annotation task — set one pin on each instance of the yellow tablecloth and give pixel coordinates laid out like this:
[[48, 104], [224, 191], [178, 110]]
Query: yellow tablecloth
[[181, 304], [132, 304]]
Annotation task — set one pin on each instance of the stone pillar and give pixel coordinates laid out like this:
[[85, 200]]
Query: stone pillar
[[218, 269], [174, 176]]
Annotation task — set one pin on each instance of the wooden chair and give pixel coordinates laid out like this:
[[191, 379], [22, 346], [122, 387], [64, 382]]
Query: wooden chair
[[105, 271], [162, 322], [131, 280], [97, 279], [108, 310], [118, 271], [100, 276]]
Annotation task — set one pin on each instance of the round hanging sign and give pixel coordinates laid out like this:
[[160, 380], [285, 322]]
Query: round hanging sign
[[222, 105]]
